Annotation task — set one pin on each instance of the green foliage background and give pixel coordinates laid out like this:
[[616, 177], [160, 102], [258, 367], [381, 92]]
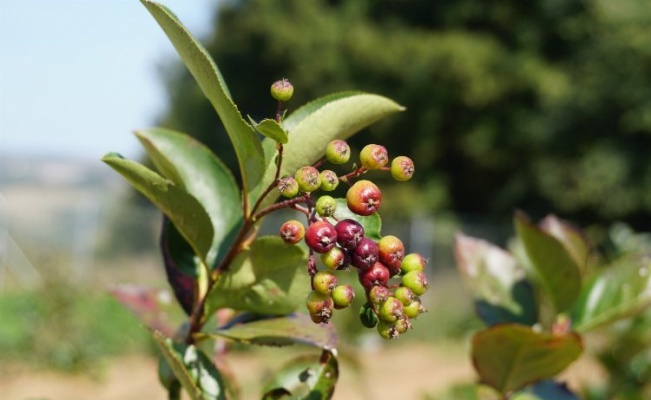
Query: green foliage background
[[543, 105]]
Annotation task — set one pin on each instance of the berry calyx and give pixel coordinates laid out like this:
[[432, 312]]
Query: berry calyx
[[376, 275], [326, 206], [343, 296], [374, 156], [308, 179], [321, 236], [324, 282], [287, 186], [391, 251], [334, 259], [413, 262], [416, 281], [363, 198], [319, 306], [349, 233], [365, 254], [338, 152], [282, 90], [402, 168], [329, 180], [292, 231]]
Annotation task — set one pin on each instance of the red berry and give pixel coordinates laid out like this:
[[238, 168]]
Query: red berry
[[349, 233], [377, 275], [402, 168], [365, 254], [292, 231], [363, 198], [321, 236], [319, 306], [391, 252]]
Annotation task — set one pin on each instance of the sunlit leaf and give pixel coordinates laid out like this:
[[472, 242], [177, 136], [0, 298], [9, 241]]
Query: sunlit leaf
[[308, 377], [574, 241], [271, 129]]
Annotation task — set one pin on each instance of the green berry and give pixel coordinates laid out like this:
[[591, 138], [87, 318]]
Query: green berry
[[338, 152], [413, 262], [288, 186], [405, 295], [343, 296], [324, 282], [390, 310], [326, 206], [374, 156], [292, 231], [319, 306], [402, 168], [329, 180], [402, 325], [387, 330], [416, 281], [363, 198], [391, 251], [379, 294], [308, 179], [334, 259], [282, 90], [414, 309]]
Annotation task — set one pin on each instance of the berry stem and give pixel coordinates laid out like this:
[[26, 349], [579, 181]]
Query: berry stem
[[357, 172], [279, 206], [273, 184]]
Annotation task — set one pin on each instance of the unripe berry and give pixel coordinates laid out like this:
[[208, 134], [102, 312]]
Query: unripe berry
[[321, 236], [282, 90], [402, 168], [378, 294], [414, 309], [335, 258], [405, 295], [365, 254], [390, 310], [329, 180], [319, 306], [349, 233], [374, 156], [324, 282], [363, 198], [387, 330], [413, 262], [308, 179], [292, 231], [343, 296], [326, 206], [287, 186], [402, 325], [391, 252], [376, 275], [338, 152], [416, 281]]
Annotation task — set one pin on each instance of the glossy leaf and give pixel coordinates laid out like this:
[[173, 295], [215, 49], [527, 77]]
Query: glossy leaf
[[572, 238], [271, 129], [282, 331], [192, 166], [306, 377], [508, 357], [183, 209], [245, 141], [268, 278], [620, 291], [337, 117], [498, 283], [372, 224], [193, 369], [555, 270]]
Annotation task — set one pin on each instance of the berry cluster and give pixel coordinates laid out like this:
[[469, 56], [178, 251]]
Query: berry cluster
[[391, 280]]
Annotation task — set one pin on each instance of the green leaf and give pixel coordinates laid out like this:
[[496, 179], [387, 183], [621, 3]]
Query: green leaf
[[183, 209], [192, 166], [305, 377], [498, 283], [367, 316], [282, 331], [304, 111], [192, 368], [268, 278], [271, 129], [372, 224], [336, 117], [508, 357], [573, 239], [245, 141], [555, 270], [182, 266], [620, 291]]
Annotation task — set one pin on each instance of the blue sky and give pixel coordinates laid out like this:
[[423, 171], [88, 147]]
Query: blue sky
[[78, 76]]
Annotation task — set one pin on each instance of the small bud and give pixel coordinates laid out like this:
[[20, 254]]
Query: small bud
[[282, 90]]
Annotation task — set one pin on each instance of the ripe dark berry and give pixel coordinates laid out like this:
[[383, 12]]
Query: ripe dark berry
[[343, 296], [349, 233], [416, 281], [329, 180], [391, 252], [292, 231], [391, 310], [374, 156], [413, 262], [326, 206], [378, 294], [288, 186], [376, 275], [319, 306], [338, 152], [365, 254], [335, 258], [308, 179], [363, 198], [402, 168], [324, 282], [282, 90], [321, 236]]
